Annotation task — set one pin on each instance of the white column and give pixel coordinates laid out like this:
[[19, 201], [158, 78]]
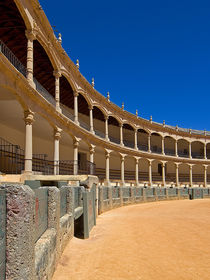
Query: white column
[[76, 145], [92, 151], [107, 154], [163, 146], [149, 143], [57, 136], [191, 179], [150, 173], [91, 119], [121, 135], [177, 174], [122, 158], [57, 75], [163, 173], [190, 153], [204, 151], [137, 171], [205, 175], [30, 60], [106, 128], [136, 139], [76, 108], [176, 148], [29, 118]]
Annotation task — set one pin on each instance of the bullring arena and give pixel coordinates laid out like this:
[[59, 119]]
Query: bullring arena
[[68, 154]]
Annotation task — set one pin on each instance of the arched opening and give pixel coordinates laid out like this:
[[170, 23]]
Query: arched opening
[[156, 143], [12, 136], [98, 122], [183, 148], [66, 98], [130, 170], [128, 135], [43, 73], [100, 161], [114, 130], [198, 174], [12, 31], [197, 149], [184, 177], [169, 144], [142, 139], [157, 172], [115, 172], [170, 172], [83, 112], [143, 171], [208, 150]]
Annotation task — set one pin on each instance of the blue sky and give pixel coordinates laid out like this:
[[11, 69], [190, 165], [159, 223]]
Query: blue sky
[[152, 55]]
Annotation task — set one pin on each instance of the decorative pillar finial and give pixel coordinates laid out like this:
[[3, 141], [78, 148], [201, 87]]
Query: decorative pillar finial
[[93, 82], [150, 119], [123, 105], [176, 127], [77, 64], [164, 123], [190, 130], [108, 96], [205, 132], [136, 112], [59, 38]]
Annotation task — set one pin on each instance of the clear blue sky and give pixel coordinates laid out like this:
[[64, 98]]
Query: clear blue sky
[[153, 55]]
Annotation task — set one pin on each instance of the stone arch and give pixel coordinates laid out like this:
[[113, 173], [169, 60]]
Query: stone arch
[[24, 14], [184, 177], [114, 129], [99, 121], [156, 142], [128, 135], [142, 139], [197, 149], [198, 174], [183, 147], [169, 144]]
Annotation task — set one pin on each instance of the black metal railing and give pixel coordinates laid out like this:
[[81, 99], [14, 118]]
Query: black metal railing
[[12, 58]]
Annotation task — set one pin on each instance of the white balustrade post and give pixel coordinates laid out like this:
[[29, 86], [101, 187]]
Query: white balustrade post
[[107, 154], [177, 174], [29, 118], [150, 173], [191, 178], [122, 157], [57, 137]]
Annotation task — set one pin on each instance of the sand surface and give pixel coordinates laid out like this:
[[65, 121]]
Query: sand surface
[[161, 240]]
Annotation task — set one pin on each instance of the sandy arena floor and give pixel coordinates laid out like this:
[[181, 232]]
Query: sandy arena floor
[[162, 240]]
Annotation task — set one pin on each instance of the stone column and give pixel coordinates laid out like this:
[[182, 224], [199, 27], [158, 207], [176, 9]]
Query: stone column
[[191, 179], [136, 139], [29, 118], [76, 94], [91, 119], [149, 143], [76, 145], [150, 173], [204, 151], [92, 151], [176, 148], [177, 174], [205, 175], [57, 136], [107, 154], [190, 153], [137, 170], [57, 75], [163, 173], [121, 135], [163, 146], [106, 128], [122, 158], [30, 35]]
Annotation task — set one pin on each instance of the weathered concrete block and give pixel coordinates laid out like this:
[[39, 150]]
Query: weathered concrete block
[[20, 233]]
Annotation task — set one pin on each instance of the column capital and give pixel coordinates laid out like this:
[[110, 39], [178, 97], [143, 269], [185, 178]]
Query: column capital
[[57, 73], [150, 161], [190, 165], [205, 166], [122, 156], [177, 164], [28, 117], [57, 133], [92, 149], [120, 124], [107, 153], [30, 34], [106, 117], [163, 163], [137, 159], [90, 107], [76, 142], [76, 93]]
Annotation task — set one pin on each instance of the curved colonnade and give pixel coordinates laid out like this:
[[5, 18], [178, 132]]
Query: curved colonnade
[[67, 119]]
